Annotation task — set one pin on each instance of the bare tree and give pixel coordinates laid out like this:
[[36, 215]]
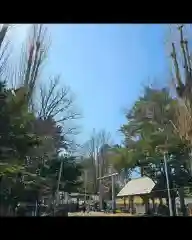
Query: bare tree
[[4, 54], [182, 82], [104, 144], [58, 103], [34, 52], [95, 153], [182, 77], [45, 100], [89, 153]]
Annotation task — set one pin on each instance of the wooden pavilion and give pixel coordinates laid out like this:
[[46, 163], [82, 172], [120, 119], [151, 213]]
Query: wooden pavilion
[[142, 187]]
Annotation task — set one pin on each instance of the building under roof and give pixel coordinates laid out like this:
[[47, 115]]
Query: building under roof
[[138, 186]]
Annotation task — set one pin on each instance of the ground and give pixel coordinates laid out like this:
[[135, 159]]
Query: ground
[[98, 214]]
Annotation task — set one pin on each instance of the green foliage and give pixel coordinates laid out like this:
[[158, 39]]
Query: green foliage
[[15, 141], [122, 158], [16, 137], [149, 132]]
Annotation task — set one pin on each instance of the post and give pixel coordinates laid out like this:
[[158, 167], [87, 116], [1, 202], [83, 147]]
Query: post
[[100, 186], [168, 188], [59, 179], [58, 184], [36, 207], [100, 195], [113, 194], [85, 185], [167, 177]]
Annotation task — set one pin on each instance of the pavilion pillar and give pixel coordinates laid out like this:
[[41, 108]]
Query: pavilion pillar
[[153, 204], [124, 199], [146, 202], [131, 204]]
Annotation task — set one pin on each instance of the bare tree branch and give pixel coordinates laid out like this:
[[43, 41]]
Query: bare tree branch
[[95, 151], [4, 54], [182, 82], [33, 56], [56, 102]]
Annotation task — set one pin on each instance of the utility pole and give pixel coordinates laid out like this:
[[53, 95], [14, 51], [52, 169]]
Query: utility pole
[[85, 185], [100, 162], [113, 193], [168, 187], [113, 188], [100, 194], [58, 183], [166, 173], [36, 207]]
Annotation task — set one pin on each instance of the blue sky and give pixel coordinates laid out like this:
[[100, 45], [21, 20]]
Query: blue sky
[[106, 67]]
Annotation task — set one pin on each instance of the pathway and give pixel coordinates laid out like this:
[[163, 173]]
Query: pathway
[[98, 214]]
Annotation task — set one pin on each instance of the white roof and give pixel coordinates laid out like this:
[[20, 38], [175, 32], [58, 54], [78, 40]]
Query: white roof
[[137, 186]]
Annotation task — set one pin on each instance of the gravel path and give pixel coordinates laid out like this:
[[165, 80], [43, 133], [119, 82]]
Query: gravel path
[[98, 214]]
